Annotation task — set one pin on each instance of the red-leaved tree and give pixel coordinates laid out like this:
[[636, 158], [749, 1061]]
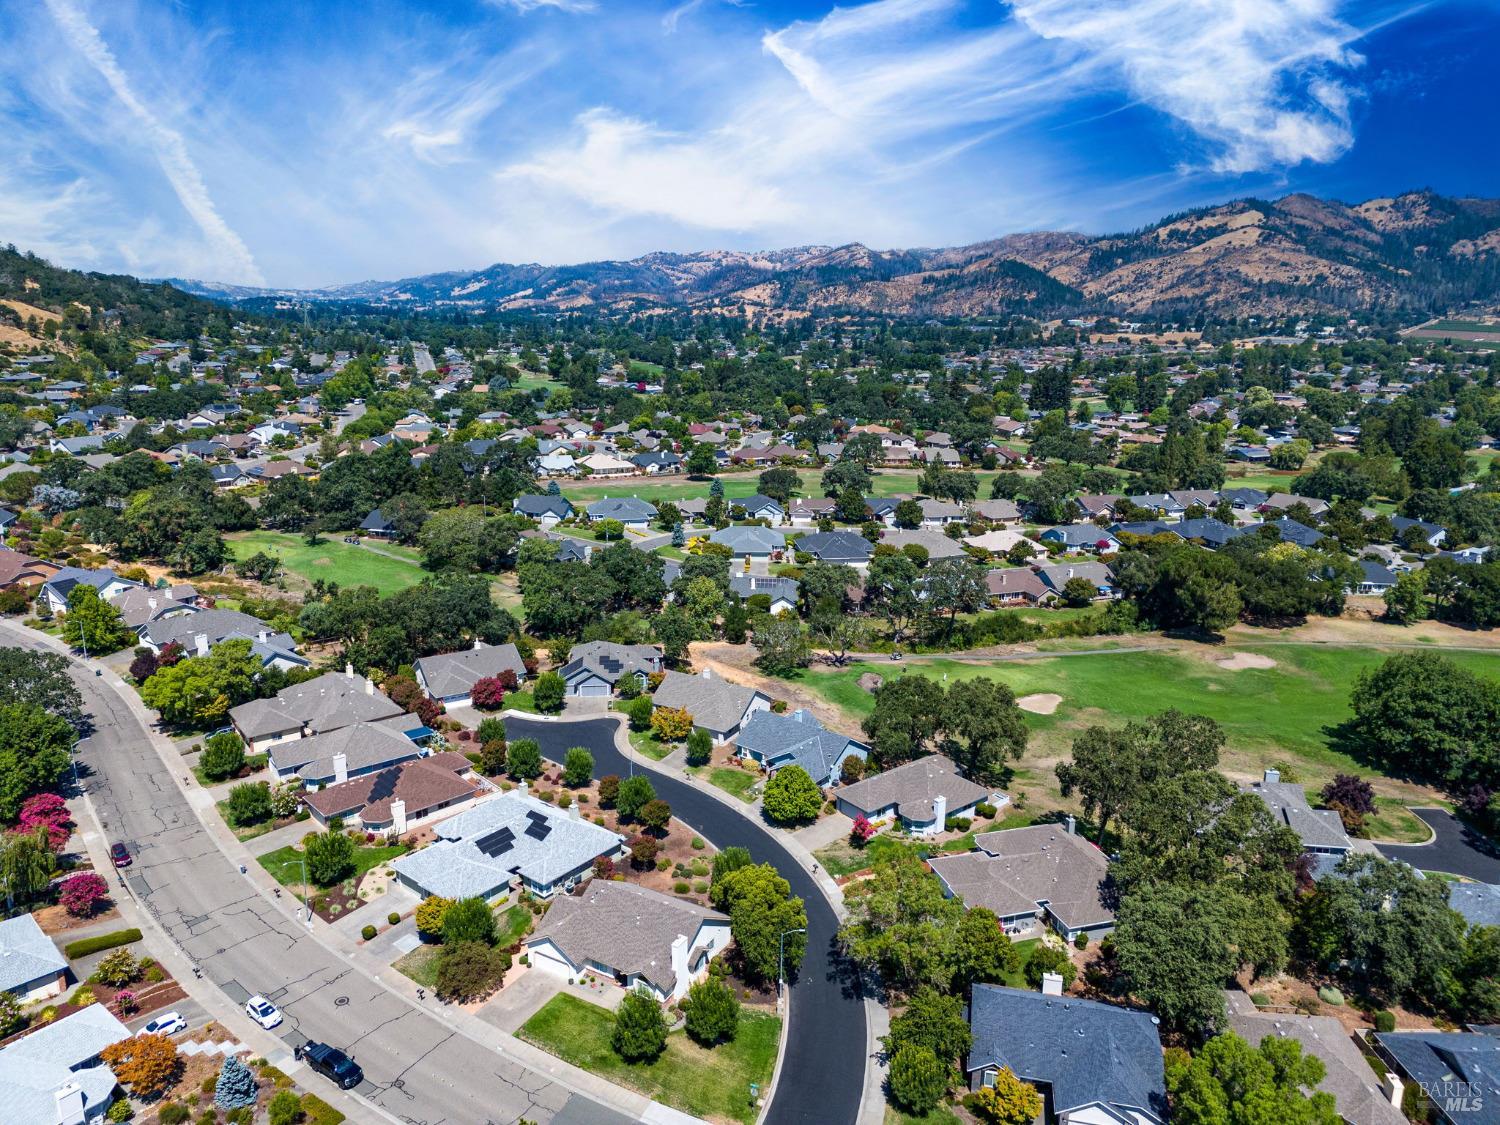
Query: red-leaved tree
[[861, 831], [49, 811], [83, 894], [169, 655], [508, 680], [488, 694]]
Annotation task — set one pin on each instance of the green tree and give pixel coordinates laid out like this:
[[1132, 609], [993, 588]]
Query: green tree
[[92, 624], [470, 970], [700, 747], [711, 1011], [729, 860], [236, 1085], [523, 759], [42, 679], [578, 768], [782, 646], [792, 796], [330, 857], [900, 924], [761, 910], [1229, 1082], [34, 753], [1422, 715], [1045, 959], [248, 803], [934, 1020], [983, 716], [635, 793], [779, 484], [640, 1032], [26, 865], [908, 712], [1406, 601], [982, 952], [469, 919], [908, 514], [223, 756], [201, 690], [1009, 1101], [638, 711], [918, 1079], [549, 692]]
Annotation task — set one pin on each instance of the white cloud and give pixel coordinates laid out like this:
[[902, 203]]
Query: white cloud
[[524, 6], [1261, 80], [234, 261]]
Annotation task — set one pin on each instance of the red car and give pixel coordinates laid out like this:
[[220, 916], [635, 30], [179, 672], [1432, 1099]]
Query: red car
[[120, 854]]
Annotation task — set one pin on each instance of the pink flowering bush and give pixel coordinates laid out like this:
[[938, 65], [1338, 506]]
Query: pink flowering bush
[[861, 831], [82, 894], [49, 811]]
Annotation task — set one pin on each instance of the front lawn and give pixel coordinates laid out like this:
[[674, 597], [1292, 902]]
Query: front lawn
[[712, 1084], [645, 742], [1394, 823], [942, 1115], [737, 783], [285, 864], [511, 925], [420, 965]]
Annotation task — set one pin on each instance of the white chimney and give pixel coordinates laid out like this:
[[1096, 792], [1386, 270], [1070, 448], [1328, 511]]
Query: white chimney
[[151, 603], [201, 643], [1272, 776], [939, 811], [478, 644], [1072, 823], [262, 636], [680, 961], [574, 812], [369, 687], [1052, 984], [1391, 1087], [69, 1104], [349, 670], [398, 816], [340, 768]]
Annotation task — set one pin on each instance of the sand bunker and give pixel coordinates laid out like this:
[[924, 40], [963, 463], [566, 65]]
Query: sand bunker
[[1043, 703], [1242, 660]]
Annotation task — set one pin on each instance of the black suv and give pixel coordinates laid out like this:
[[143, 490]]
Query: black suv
[[331, 1063]]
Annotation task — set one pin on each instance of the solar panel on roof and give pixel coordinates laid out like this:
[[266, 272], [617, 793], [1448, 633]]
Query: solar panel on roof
[[496, 843], [539, 828]]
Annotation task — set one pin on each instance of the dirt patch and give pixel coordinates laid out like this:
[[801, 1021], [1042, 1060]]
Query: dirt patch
[[734, 662], [871, 681], [1241, 661], [1042, 703]]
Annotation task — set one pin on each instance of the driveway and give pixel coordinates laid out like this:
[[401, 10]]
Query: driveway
[[823, 1072], [1457, 849]]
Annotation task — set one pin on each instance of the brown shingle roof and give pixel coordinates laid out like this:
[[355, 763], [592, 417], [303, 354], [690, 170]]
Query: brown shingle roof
[[422, 783]]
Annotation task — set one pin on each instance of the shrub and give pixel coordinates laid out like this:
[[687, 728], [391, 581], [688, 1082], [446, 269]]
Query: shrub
[[1009, 1101], [1385, 1021], [368, 933], [119, 1110], [126, 1002], [958, 824], [680, 887], [1331, 996], [564, 799], [700, 748], [852, 770], [175, 1113], [470, 970], [320, 1112], [236, 1085], [711, 1011], [330, 856], [223, 756], [118, 969], [638, 711], [609, 790], [430, 915], [643, 851], [523, 760], [469, 920], [578, 768], [84, 946], [604, 867], [487, 694], [489, 730], [1081, 941], [248, 803], [82, 894], [918, 1079], [549, 692], [640, 1032], [671, 724], [393, 918], [655, 814], [284, 1109], [698, 845], [985, 810], [861, 831], [1046, 959]]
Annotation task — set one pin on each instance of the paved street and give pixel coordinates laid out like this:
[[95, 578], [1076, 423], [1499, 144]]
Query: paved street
[[823, 1077], [418, 1068], [1457, 849]]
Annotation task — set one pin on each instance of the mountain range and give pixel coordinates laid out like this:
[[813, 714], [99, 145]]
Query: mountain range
[[1411, 253]]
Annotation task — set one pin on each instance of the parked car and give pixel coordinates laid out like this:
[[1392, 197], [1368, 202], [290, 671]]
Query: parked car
[[263, 1012], [330, 1062], [168, 1024], [120, 854]]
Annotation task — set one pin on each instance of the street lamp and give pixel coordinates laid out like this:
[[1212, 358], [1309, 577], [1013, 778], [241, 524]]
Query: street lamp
[[306, 893], [781, 957]]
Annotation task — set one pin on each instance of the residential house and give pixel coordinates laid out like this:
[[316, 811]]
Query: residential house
[[450, 677], [773, 741], [1359, 1097], [758, 507], [1096, 506], [1320, 830], [355, 750], [808, 511], [1458, 1071], [643, 940], [657, 461], [558, 463], [31, 968], [509, 843], [330, 701], [1244, 501], [1279, 502], [940, 513], [716, 705], [633, 513], [920, 795], [750, 540], [1056, 578], [782, 591], [1429, 533], [1093, 1063], [57, 588], [936, 544], [1044, 876], [1003, 540], [995, 511], [603, 465], [397, 797], [199, 631], [1374, 578], [1082, 537], [1017, 586], [377, 525], [1290, 531], [53, 1076], [24, 572], [595, 668], [1210, 532], [846, 548], [544, 508]]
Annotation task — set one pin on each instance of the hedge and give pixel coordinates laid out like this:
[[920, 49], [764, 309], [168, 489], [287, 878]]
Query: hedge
[[84, 946], [319, 1112]]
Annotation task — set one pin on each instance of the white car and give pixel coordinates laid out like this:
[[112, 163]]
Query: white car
[[169, 1024], [263, 1012]]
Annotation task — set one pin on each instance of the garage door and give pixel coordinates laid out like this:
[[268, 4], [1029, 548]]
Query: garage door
[[593, 689]]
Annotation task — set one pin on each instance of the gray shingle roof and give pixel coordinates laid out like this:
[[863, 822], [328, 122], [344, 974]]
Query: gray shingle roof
[[626, 509], [1013, 871], [454, 673], [913, 787], [749, 539], [326, 703], [1316, 828], [214, 624], [364, 746], [455, 866], [26, 953], [796, 739], [1479, 903], [628, 928], [837, 546], [1462, 1063], [33, 1067], [714, 704], [610, 661], [1085, 1051]]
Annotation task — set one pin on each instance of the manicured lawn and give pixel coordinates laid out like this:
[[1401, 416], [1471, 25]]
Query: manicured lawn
[[645, 742], [709, 1083], [942, 1115], [1394, 823], [1023, 949], [420, 965], [332, 560], [735, 782], [512, 925], [888, 482], [285, 864], [1284, 713], [250, 831]]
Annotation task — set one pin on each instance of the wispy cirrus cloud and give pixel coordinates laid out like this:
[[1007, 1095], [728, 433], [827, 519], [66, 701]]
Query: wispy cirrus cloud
[[524, 6], [166, 143]]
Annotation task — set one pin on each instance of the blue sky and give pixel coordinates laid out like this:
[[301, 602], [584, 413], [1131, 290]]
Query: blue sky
[[293, 143]]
